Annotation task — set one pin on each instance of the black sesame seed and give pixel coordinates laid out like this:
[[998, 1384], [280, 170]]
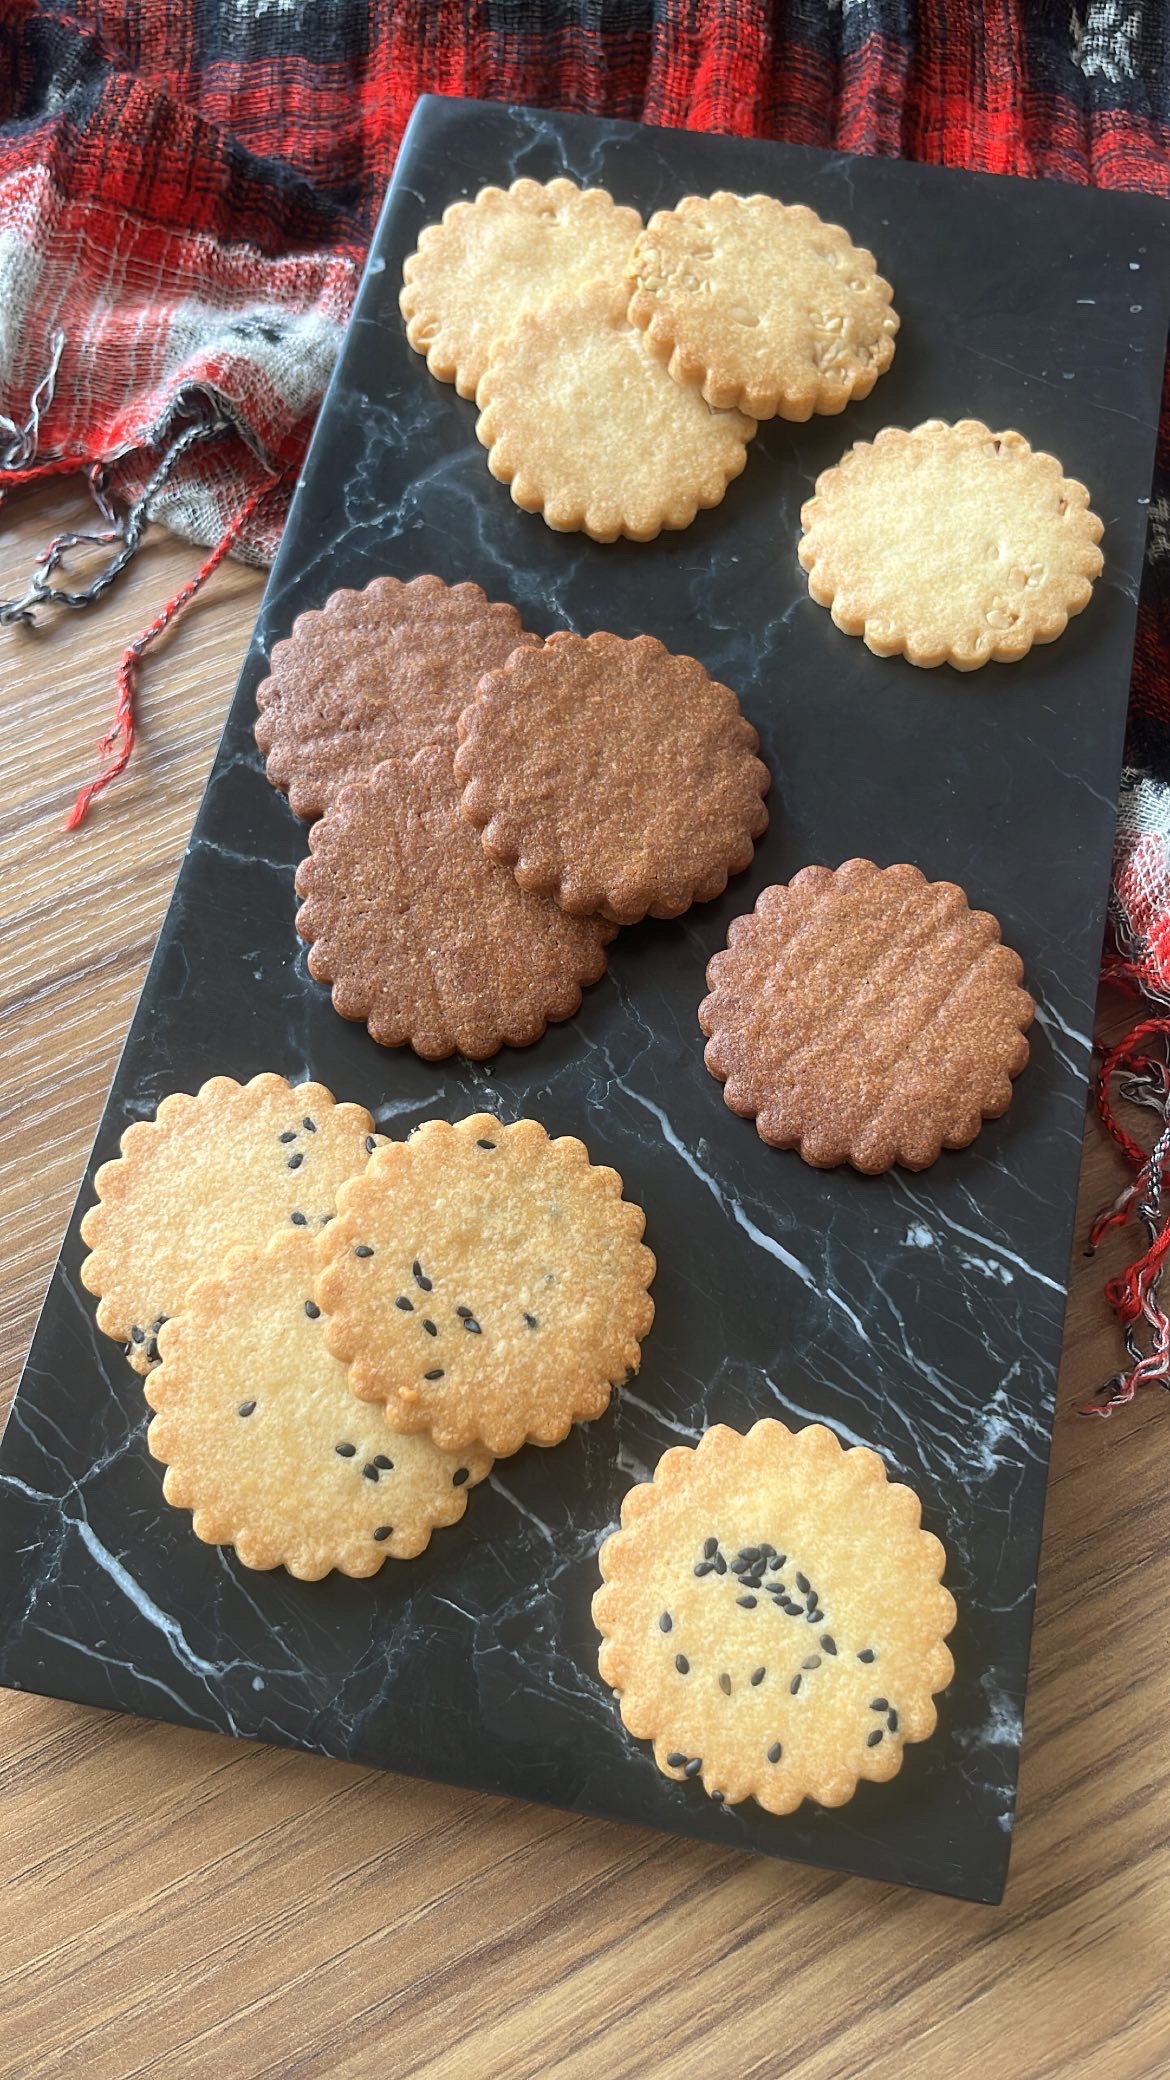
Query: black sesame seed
[[758, 1677], [345, 1451], [406, 1305], [710, 1548], [675, 1761], [419, 1278], [682, 1664], [694, 1766], [382, 1531], [811, 1600], [532, 1321], [750, 1553], [461, 1474], [725, 1685], [777, 1561], [464, 1313], [387, 1465], [720, 1564], [363, 1250], [816, 1617], [872, 1739], [775, 1752], [829, 1644], [309, 1126], [370, 1472], [430, 1328], [717, 1797], [794, 1686], [794, 1610], [294, 1162], [299, 1220], [892, 1722], [703, 1567], [436, 1373], [246, 1407], [802, 1584], [473, 1328], [867, 1654], [152, 1350], [879, 1704], [811, 1661], [290, 1135], [137, 1335], [665, 1622], [312, 1310], [485, 1144], [371, 1145], [746, 1603]]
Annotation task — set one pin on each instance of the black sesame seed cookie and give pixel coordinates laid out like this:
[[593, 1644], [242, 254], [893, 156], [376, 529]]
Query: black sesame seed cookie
[[773, 1616], [265, 1444], [210, 1173], [486, 1284]]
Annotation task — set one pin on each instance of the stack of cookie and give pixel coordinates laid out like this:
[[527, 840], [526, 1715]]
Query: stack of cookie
[[492, 808], [339, 1334], [620, 371]]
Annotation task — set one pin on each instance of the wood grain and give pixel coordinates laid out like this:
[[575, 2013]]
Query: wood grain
[[174, 1904]]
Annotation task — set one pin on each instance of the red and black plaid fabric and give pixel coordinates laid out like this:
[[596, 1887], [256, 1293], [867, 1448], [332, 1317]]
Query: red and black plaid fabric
[[187, 190]]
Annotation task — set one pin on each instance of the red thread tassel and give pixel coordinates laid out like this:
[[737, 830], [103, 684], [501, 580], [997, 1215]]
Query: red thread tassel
[[118, 742]]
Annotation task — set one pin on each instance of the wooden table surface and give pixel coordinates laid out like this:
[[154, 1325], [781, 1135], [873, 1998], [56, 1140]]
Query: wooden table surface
[[178, 1904]]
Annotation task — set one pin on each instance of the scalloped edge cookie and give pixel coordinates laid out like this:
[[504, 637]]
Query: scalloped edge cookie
[[919, 570]]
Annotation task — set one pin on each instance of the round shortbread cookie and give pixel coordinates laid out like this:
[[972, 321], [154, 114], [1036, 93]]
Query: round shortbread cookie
[[866, 1016], [211, 1172], [591, 433], [372, 675], [950, 544], [263, 1441], [773, 1616], [421, 935], [492, 260], [613, 775], [761, 305], [487, 1284]]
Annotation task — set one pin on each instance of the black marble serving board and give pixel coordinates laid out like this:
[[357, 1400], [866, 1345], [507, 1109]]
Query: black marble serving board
[[921, 1314]]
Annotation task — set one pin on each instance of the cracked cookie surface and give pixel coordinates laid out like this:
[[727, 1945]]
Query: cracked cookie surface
[[761, 305]]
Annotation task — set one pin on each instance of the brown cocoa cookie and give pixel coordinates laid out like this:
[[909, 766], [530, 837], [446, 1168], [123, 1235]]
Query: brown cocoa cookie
[[613, 775], [421, 935], [375, 674], [866, 1016]]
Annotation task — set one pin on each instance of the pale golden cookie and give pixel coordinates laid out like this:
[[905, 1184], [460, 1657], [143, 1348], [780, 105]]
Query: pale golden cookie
[[265, 1444], [773, 1616], [590, 432], [492, 260], [950, 544], [866, 1016], [207, 1174], [487, 1284], [761, 305]]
